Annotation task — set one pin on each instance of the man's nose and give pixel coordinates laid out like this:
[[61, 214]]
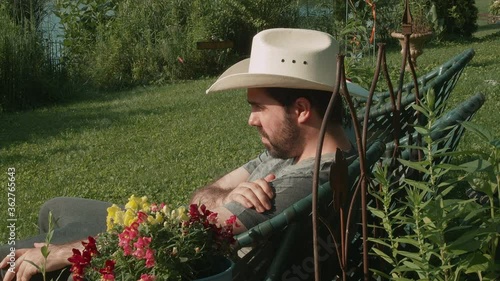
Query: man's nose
[[253, 120]]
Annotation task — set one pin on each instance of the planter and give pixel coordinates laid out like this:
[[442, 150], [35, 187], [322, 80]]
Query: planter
[[417, 41], [225, 267]]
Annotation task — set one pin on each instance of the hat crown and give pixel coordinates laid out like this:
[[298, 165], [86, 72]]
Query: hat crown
[[303, 54]]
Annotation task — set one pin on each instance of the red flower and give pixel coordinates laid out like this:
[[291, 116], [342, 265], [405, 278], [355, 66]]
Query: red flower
[[80, 260], [78, 264], [107, 272], [90, 246], [141, 217]]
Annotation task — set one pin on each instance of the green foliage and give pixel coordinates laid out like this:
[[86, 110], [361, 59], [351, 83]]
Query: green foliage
[[494, 7], [116, 43], [460, 17], [428, 234], [44, 250]]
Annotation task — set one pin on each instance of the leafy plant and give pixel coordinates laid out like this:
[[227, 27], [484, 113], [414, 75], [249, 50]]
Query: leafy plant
[[427, 232], [44, 250]]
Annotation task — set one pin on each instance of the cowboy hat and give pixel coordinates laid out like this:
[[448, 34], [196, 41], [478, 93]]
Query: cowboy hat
[[287, 58]]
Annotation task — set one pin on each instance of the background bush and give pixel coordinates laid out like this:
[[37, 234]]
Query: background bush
[[118, 43], [459, 17]]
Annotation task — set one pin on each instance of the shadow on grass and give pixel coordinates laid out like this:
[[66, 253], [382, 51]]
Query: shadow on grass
[[488, 27], [95, 112]]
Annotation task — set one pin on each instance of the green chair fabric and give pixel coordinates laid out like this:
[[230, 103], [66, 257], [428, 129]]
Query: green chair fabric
[[441, 81]]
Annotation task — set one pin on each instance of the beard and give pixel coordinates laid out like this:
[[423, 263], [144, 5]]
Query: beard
[[286, 141]]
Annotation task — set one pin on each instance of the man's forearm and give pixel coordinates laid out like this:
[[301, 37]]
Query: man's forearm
[[211, 196]]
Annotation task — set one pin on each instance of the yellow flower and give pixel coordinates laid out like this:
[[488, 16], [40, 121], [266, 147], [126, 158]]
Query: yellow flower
[[115, 217], [144, 204], [133, 203], [165, 210], [129, 217], [156, 220], [180, 214]]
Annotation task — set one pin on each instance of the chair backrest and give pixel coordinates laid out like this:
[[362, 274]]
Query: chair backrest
[[441, 80], [273, 240]]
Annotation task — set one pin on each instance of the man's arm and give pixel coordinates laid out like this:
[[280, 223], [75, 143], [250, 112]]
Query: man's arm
[[57, 259], [235, 187], [214, 194]]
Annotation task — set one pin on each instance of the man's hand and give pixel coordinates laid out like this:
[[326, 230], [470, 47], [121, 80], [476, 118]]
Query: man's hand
[[23, 271], [256, 194]]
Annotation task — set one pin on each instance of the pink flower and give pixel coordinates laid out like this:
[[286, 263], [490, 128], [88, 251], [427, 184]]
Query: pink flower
[[212, 218], [141, 246], [232, 221], [146, 277], [150, 258], [141, 217]]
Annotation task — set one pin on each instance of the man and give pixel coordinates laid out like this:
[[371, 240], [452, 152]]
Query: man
[[290, 77]]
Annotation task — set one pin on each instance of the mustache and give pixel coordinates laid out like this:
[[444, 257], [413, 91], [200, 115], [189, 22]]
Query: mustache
[[262, 133]]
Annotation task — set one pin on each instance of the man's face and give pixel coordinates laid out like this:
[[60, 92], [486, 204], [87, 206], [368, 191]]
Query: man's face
[[278, 128]]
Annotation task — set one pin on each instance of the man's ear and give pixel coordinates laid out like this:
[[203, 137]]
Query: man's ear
[[302, 110]]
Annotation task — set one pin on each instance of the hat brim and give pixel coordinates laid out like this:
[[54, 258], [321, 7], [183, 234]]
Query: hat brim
[[238, 77]]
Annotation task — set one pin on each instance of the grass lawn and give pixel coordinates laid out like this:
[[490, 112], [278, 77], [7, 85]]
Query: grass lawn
[[166, 141]]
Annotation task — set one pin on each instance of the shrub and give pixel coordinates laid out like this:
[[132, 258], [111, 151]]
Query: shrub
[[459, 16], [117, 43]]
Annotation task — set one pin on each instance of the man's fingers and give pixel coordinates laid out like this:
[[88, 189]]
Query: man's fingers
[[270, 177], [38, 245], [257, 196], [26, 271], [6, 260], [9, 275]]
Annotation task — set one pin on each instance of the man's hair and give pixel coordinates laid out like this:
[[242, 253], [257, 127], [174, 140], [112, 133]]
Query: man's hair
[[319, 101]]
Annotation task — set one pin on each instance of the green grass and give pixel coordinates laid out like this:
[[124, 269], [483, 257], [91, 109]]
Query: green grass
[[167, 141]]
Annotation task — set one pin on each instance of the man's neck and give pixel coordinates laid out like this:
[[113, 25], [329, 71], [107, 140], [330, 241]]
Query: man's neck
[[334, 138]]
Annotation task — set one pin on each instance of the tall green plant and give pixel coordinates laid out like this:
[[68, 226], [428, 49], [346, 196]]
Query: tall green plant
[[427, 233]]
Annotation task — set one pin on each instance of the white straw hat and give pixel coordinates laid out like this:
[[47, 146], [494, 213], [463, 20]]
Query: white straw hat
[[287, 58]]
